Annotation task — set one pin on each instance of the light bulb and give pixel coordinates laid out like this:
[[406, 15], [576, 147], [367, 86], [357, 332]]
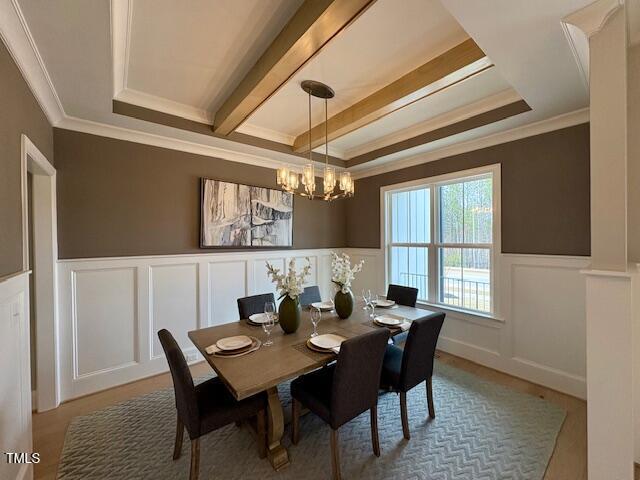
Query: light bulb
[[329, 179], [293, 181]]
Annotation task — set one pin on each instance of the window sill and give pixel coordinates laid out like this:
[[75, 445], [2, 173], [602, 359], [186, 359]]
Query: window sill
[[474, 317]]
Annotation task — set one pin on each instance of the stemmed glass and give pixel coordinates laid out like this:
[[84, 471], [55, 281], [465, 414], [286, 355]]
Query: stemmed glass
[[270, 312], [366, 296], [316, 315], [372, 303]]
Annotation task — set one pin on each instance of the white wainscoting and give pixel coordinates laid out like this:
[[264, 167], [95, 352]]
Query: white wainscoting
[[540, 330], [15, 381], [110, 309]]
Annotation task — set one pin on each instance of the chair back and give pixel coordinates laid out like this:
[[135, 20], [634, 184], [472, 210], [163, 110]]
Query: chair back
[[357, 376], [185, 392], [310, 295], [247, 306], [419, 350], [407, 296]]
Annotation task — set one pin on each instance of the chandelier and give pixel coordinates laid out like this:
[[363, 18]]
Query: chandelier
[[305, 184]]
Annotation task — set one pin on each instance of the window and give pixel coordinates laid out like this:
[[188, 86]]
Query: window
[[440, 238]]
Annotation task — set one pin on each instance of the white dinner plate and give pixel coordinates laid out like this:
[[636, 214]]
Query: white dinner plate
[[388, 319], [233, 343], [323, 306], [327, 341], [385, 303], [259, 318]]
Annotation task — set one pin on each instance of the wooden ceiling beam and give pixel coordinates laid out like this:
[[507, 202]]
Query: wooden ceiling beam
[[460, 62], [311, 27]]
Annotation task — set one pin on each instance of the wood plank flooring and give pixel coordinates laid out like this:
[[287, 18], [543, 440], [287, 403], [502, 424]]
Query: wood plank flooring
[[569, 460]]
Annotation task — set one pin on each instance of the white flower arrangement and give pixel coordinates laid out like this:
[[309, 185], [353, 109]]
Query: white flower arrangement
[[292, 283], [342, 273]]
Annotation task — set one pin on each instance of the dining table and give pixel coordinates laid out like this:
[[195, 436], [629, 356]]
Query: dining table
[[287, 358]]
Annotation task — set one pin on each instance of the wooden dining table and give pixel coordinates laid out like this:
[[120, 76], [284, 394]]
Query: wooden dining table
[[289, 357]]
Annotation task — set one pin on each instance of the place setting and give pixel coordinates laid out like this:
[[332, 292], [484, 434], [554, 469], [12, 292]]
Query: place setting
[[235, 346], [391, 321], [322, 343]]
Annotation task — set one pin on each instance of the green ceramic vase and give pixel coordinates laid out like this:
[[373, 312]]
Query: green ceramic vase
[[289, 314], [344, 304]]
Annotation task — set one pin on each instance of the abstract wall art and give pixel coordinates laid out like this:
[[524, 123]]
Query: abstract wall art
[[236, 215]]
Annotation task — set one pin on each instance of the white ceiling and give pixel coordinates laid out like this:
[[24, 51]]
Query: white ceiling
[[197, 55], [189, 59], [387, 41], [411, 120]]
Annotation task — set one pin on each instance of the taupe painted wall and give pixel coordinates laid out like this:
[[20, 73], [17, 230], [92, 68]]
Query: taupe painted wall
[[19, 113], [545, 193], [118, 198], [633, 154]]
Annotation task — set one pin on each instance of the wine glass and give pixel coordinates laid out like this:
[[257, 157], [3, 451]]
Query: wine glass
[[270, 312], [373, 302], [366, 296], [316, 315]]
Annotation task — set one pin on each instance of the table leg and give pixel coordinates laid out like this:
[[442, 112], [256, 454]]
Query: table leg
[[277, 454]]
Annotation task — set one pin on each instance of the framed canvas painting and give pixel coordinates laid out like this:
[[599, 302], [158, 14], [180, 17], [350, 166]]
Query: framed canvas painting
[[236, 216]]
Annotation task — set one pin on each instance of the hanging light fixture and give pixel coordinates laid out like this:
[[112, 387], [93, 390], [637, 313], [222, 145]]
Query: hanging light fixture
[[332, 188]]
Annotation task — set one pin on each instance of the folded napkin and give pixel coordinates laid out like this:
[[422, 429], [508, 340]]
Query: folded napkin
[[211, 349], [336, 350], [404, 326]]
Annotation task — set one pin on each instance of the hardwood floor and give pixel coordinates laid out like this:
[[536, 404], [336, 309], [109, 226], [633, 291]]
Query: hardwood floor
[[569, 460]]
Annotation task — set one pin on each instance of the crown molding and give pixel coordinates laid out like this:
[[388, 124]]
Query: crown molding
[[491, 102], [273, 161], [593, 17], [16, 35], [554, 123], [164, 105], [266, 133]]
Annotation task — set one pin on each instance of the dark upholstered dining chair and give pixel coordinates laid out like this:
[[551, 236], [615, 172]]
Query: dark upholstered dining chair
[[207, 406], [310, 295], [247, 306], [343, 390], [404, 369], [407, 296]]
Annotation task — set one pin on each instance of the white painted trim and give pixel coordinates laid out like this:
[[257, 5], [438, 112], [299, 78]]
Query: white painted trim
[[274, 160], [579, 44], [164, 105], [495, 247], [121, 13], [266, 133], [140, 362], [16, 35], [483, 105], [496, 346], [45, 259], [555, 123], [593, 17]]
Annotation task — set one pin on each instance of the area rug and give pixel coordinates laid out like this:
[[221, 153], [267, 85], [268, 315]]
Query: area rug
[[481, 431]]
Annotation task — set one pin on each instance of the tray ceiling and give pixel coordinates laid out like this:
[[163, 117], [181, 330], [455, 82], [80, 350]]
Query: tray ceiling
[[187, 62]]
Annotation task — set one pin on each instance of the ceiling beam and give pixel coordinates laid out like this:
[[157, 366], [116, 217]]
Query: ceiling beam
[[476, 121], [311, 27], [453, 66]]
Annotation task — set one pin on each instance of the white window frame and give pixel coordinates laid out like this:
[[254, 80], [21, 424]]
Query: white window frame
[[495, 248]]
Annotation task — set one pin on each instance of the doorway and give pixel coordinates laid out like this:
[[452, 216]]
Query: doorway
[[40, 242]]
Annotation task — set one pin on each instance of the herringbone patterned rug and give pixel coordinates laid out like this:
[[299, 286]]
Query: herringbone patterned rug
[[481, 431]]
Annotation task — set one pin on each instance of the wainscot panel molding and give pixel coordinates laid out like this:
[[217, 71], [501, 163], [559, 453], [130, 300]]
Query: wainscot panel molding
[[15, 381], [110, 309], [539, 329]]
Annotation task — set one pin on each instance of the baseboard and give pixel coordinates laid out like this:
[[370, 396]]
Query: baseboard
[[539, 374]]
